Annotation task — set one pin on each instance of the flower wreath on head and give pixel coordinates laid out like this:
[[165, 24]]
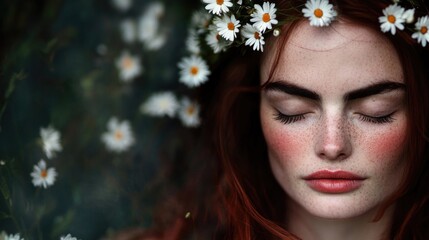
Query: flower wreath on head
[[226, 23]]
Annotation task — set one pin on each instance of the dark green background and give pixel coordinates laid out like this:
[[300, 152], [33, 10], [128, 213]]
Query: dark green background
[[52, 74]]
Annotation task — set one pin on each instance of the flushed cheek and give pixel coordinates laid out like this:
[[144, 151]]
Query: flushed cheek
[[285, 145], [387, 146]]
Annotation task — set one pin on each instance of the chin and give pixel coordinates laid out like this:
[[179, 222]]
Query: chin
[[336, 207]]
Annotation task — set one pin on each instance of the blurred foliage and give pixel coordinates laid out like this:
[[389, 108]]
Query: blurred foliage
[[58, 68]]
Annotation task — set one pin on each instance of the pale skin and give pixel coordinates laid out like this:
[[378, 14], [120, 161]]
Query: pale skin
[[336, 102]]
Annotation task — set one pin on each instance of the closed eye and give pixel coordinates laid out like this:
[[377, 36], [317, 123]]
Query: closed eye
[[377, 120], [288, 119]]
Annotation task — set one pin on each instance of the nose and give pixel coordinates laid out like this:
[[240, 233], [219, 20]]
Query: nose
[[333, 141]]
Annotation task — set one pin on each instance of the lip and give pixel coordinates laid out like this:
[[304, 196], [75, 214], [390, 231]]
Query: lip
[[334, 182]]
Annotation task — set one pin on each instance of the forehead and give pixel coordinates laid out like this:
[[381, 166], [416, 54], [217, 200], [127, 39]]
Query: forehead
[[348, 53], [334, 36]]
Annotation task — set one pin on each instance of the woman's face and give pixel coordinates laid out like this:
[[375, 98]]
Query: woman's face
[[334, 119]]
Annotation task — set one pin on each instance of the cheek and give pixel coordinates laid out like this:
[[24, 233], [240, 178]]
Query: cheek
[[387, 146], [386, 150], [285, 145]]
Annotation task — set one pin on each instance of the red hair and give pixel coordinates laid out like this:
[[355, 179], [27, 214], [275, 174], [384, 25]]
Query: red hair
[[253, 200], [246, 201]]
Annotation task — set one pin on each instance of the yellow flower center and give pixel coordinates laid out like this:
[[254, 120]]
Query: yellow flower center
[[194, 70], [257, 36], [391, 19], [318, 13], [190, 110], [127, 63], [119, 135], [44, 173], [219, 2], [266, 17], [231, 26], [424, 30]]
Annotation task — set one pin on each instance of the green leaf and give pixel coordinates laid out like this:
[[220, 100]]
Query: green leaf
[[4, 188], [62, 223], [15, 77]]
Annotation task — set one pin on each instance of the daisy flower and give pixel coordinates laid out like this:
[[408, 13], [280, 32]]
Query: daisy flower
[[409, 15], [228, 27], [119, 136], [201, 19], [50, 141], [156, 42], [4, 236], [128, 30], [319, 12], [149, 22], [43, 176], [192, 44], [129, 66], [189, 113], [68, 237], [218, 6], [253, 37], [392, 19], [193, 71], [422, 34], [148, 26], [264, 16], [215, 41], [122, 5], [156, 9], [160, 104]]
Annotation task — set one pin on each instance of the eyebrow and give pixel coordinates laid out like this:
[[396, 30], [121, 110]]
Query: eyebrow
[[373, 89], [377, 88], [291, 89]]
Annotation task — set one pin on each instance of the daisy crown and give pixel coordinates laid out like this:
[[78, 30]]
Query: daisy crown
[[223, 24]]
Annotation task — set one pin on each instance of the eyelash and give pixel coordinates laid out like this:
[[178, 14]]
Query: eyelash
[[378, 120], [288, 119]]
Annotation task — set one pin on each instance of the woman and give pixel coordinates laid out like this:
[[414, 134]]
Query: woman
[[323, 137], [334, 120]]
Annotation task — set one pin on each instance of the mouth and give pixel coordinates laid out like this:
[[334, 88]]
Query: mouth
[[334, 182]]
